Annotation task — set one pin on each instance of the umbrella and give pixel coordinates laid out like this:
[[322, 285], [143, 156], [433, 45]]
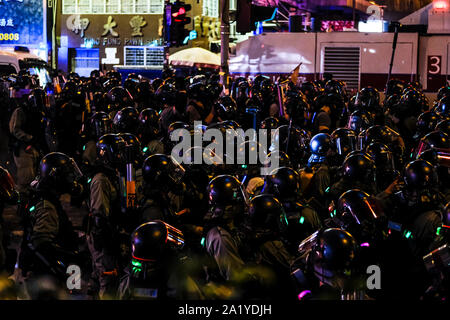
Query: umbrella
[[195, 57]]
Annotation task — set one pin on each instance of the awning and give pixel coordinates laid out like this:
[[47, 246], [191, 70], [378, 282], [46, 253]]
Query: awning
[[195, 57]]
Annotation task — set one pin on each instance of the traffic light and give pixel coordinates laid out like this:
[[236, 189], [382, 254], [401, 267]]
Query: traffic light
[[178, 20]]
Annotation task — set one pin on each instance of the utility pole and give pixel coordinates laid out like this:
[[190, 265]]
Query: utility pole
[[224, 41], [354, 11], [167, 20]]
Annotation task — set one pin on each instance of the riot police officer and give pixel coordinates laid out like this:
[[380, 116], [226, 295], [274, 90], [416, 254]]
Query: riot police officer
[[157, 270], [104, 213], [302, 219], [227, 206], [49, 243], [27, 135], [149, 132]]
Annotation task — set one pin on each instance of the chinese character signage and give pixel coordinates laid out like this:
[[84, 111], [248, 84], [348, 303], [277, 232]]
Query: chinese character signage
[[21, 22]]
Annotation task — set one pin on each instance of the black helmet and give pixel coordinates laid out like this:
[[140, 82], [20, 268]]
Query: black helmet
[[144, 92], [420, 175], [37, 99], [359, 167], [240, 89], [296, 106], [8, 192], [283, 159], [266, 89], [113, 74], [385, 135], [166, 94], [151, 240], [256, 83], [319, 146], [356, 211], [99, 101], [59, 172], [119, 97], [70, 90], [130, 84], [111, 151], [359, 121], [309, 89], [443, 126], [149, 124], [161, 171], [335, 87], [99, 124], [382, 155], [367, 99], [443, 92], [126, 120], [214, 90], [426, 123], [394, 86], [197, 91], [269, 123], [226, 108], [414, 102], [225, 190], [247, 156], [95, 74], [284, 183], [435, 139], [333, 257], [292, 140], [133, 148], [443, 106], [265, 215], [345, 140]]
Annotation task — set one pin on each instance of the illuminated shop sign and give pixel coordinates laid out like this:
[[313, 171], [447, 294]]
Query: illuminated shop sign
[[22, 22]]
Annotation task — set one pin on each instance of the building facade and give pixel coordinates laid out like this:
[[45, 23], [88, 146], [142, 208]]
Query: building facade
[[101, 34]]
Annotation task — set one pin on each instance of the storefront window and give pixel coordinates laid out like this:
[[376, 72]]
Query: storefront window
[[84, 6], [156, 6], [211, 8], [127, 6], [112, 6], [142, 6], [69, 6], [134, 56]]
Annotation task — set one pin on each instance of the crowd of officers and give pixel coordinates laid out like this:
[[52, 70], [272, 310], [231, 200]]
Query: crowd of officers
[[361, 182]]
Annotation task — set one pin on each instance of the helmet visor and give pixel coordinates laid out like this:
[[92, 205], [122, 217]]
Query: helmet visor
[[7, 190], [345, 145]]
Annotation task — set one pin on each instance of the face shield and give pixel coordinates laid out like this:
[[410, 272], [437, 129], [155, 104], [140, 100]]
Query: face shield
[[174, 236], [176, 172], [7, 189], [385, 161], [74, 178], [345, 145]]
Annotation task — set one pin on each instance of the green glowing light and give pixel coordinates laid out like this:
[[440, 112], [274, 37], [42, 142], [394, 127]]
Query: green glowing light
[[84, 147], [145, 149], [136, 263], [407, 234], [438, 231], [302, 219], [89, 180], [32, 209], [202, 242]]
